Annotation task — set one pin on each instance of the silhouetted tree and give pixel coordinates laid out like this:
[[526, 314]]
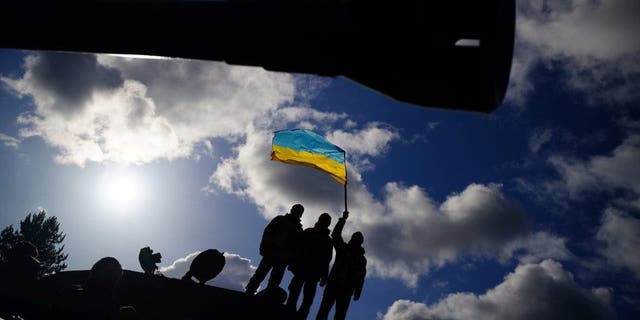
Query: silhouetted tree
[[8, 238], [44, 232]]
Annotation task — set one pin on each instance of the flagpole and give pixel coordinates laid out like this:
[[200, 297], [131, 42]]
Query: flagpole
[[345, 196], [345, 181]]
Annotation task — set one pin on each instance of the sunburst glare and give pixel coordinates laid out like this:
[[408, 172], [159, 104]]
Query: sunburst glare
[[122, 190]]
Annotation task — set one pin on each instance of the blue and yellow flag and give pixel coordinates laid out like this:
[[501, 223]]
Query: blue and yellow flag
[[307, 148]]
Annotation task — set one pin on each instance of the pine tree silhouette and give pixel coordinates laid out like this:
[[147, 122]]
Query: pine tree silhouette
[[44, 232]]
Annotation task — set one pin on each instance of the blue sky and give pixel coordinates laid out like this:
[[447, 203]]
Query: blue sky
[[532, 211]]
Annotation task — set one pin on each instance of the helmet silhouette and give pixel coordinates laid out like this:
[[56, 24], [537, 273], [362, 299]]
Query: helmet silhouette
[[206, 266]]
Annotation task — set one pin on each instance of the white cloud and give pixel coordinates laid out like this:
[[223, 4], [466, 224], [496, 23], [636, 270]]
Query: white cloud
[[619, 235], [235, 275], [413, 234], [575, 178], [595, 41], [302, 117], [9, 141], [406, 232], [105, 108], [532, 291], [617, 170], [205, 98], [614, 175], [539, 138], [310, 86], [63, 83], [581, 28], [373, 140], [536, 247], [620, 168]]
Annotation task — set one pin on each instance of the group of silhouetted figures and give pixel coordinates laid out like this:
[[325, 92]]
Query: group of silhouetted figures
[[285, 245], [308, 254]]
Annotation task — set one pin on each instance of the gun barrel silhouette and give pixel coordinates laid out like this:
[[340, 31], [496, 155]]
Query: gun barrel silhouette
[[452, 54]]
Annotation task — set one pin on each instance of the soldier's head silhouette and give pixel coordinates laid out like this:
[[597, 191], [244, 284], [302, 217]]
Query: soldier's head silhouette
[[297, 210], [22, 262], [104, 274], [356, 239], [324, 221], [24, 249]]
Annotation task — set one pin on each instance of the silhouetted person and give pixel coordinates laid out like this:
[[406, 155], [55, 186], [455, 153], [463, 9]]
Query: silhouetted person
[[18, 277], [22, 262], [347, 275], [311, 264], [148, 260], [277, 248], [104, 277], [206, 266], [96, 298]]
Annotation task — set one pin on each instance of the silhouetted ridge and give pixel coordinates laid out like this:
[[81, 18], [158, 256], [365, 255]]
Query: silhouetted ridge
[[167, 298]]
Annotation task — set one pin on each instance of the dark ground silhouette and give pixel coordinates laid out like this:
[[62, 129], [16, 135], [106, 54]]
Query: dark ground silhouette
[[69, 295]]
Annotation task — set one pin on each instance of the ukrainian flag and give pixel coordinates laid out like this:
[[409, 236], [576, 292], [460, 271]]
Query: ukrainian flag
[[307, 148]]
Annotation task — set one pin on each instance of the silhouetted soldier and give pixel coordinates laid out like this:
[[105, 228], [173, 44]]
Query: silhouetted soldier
[[18, 276], [347, 275], [104, 277], [96, 299], [311, 264], [148, 260], [277, 248], [22, 262]]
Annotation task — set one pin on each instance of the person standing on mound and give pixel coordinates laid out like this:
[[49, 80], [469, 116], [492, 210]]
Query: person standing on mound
[[347, 275], [277, 249]]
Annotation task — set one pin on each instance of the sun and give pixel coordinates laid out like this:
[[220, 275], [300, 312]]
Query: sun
[[122, 191]]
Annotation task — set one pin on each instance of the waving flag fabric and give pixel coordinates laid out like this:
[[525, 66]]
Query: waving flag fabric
[[307, 148]]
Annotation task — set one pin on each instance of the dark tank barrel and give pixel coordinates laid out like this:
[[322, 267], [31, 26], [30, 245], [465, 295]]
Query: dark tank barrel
[[450, 54]]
